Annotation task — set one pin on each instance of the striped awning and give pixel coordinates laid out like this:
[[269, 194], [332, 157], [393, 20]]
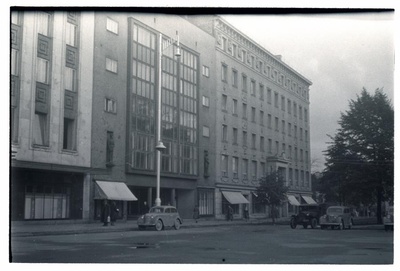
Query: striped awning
[[113, 191], [234, 197], [292, 200], [308, 199]]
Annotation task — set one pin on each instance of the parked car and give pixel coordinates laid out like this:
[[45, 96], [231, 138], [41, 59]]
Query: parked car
[[388, 219], [337, 217], [308, 214], [160, 217]]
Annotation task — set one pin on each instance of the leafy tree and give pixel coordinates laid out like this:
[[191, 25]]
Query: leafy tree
[[272, 191], [359, 160]]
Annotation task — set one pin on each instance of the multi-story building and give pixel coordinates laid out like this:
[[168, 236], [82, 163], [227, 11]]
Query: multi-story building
[[262, 121], [84, 103]]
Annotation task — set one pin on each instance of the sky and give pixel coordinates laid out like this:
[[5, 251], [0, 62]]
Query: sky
[[339, 53]]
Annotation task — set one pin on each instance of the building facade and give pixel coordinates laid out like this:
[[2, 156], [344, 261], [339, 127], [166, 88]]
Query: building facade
[[84, 102]]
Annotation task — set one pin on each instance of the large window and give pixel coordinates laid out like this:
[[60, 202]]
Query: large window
[[245, 168], [40, 129], [224, 72], [70, 34], [206, 201], [69, 139], [235, 167], [42, 70]]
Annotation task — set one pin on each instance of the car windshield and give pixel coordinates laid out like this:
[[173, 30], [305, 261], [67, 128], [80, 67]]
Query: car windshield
[[156, 210], [334, 211]]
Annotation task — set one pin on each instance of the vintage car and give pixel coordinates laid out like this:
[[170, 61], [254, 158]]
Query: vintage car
[[389, 219], [160, 217], [337, 217], [308, 214]]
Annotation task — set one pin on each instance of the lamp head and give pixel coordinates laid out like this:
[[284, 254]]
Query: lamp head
[[160, 146]]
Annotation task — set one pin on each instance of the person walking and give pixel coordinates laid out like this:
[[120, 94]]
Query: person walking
[[196, 213], [105, 213], [246, 212], [113, 213]]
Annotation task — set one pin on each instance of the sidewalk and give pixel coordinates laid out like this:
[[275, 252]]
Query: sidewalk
[[24, 228]]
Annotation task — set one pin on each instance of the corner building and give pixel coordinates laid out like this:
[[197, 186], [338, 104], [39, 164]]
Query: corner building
[[262, 122]]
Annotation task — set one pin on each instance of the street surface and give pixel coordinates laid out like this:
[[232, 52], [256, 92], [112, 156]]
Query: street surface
[[244, 244]]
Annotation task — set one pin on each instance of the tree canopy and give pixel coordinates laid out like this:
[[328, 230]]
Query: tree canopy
[[359, 160]]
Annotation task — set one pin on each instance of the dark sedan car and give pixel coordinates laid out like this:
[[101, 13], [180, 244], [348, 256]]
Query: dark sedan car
[[160, 217]]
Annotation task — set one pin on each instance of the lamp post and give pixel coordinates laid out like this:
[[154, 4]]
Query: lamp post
[[160, 146]]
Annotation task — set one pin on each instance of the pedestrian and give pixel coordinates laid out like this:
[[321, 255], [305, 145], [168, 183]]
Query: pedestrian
[[145, 208], [113, 213], [105, 213], [196, 213], [246, 212], [230, 213]]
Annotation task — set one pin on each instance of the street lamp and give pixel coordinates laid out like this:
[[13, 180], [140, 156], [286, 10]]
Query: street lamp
[[160, 146]]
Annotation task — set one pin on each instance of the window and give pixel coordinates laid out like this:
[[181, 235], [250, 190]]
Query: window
[[206, 131], [234, 50], [295, 154], [277, 147], [206, 101], [261, 89], [301, 134], [253, 88], [244, 138], [244, 56], [235, 136], [252, 61], [269, 145], [14, 62], [283, 103], [223, 44], [40, 129], [224, 133], [244, 111], [70, 34], [206, 201], [110, 105], [110, 147], [295, 109], [289, 128], [223, 102], [70, 79], [300, 112], [253, 114], [306, 135], [284, 148], [262, 143], [112, 26], [276, 97], [254, 170], [269, 95], [224, 165], [269, 120], [261, 118], [244, 83], [234, 78], [290, 152], [289, 106], [43, 23], [206, 71], [276, 124], [245, 168], [263, 169], [224, 75], [283, 127], [305, 114], [235, 167], [253, 141], [295, 131], [235, 109], [306, 157], [111, 65], [42, 71], [69, 142]]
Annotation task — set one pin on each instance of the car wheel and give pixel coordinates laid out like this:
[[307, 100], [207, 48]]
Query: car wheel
[[313, 223], [341, 225], [141, 228], [177, 224], [293, 223], [159, 225]]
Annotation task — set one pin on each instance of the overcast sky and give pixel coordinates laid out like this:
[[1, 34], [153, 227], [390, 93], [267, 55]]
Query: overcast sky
[[339, 53]]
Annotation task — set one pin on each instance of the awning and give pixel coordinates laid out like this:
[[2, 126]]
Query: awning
[[113, 191], [293, 201], [308, 199], [234, 197]]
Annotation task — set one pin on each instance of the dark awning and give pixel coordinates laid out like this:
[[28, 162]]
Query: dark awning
[[113, 191], [234, 197]]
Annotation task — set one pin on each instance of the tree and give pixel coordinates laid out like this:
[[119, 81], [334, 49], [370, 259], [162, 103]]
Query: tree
[[272, 191], [359, 160]]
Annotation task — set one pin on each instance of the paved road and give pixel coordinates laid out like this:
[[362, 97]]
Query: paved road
[[247, 244]]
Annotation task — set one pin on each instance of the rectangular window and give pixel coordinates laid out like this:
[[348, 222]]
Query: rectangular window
[[40, 129], [245, 168], [269, 95], [290, 152], [70, 34], [253, 114], [269, 145], [295, 131], [283, 103], [295, 109], [289, 128], [306, 135], [42, 71], [305, 114], [234, 50], [206, 101], [235, 109], [261, 89], [224, 133], [224, 102], [206, 201], [269, 121], [206, 131], [235, 167], [235, 136], [244, 83], [206, 71], [253, 88], [301, 133], [112, 26], [244, 138], [70, 79], [69, 139], [262, 144], [234, 78], [244, 111], [111, 65], [301, 155], [110, 105], [300, 112], [224, 75], [253, 141], [223, 44], [43, 23], [254, 170], [263, 169], [276, 97], [14, 62], [283, 127], [277, 147], [261, 118], [276, 124], [289, 106], [224, 165]]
